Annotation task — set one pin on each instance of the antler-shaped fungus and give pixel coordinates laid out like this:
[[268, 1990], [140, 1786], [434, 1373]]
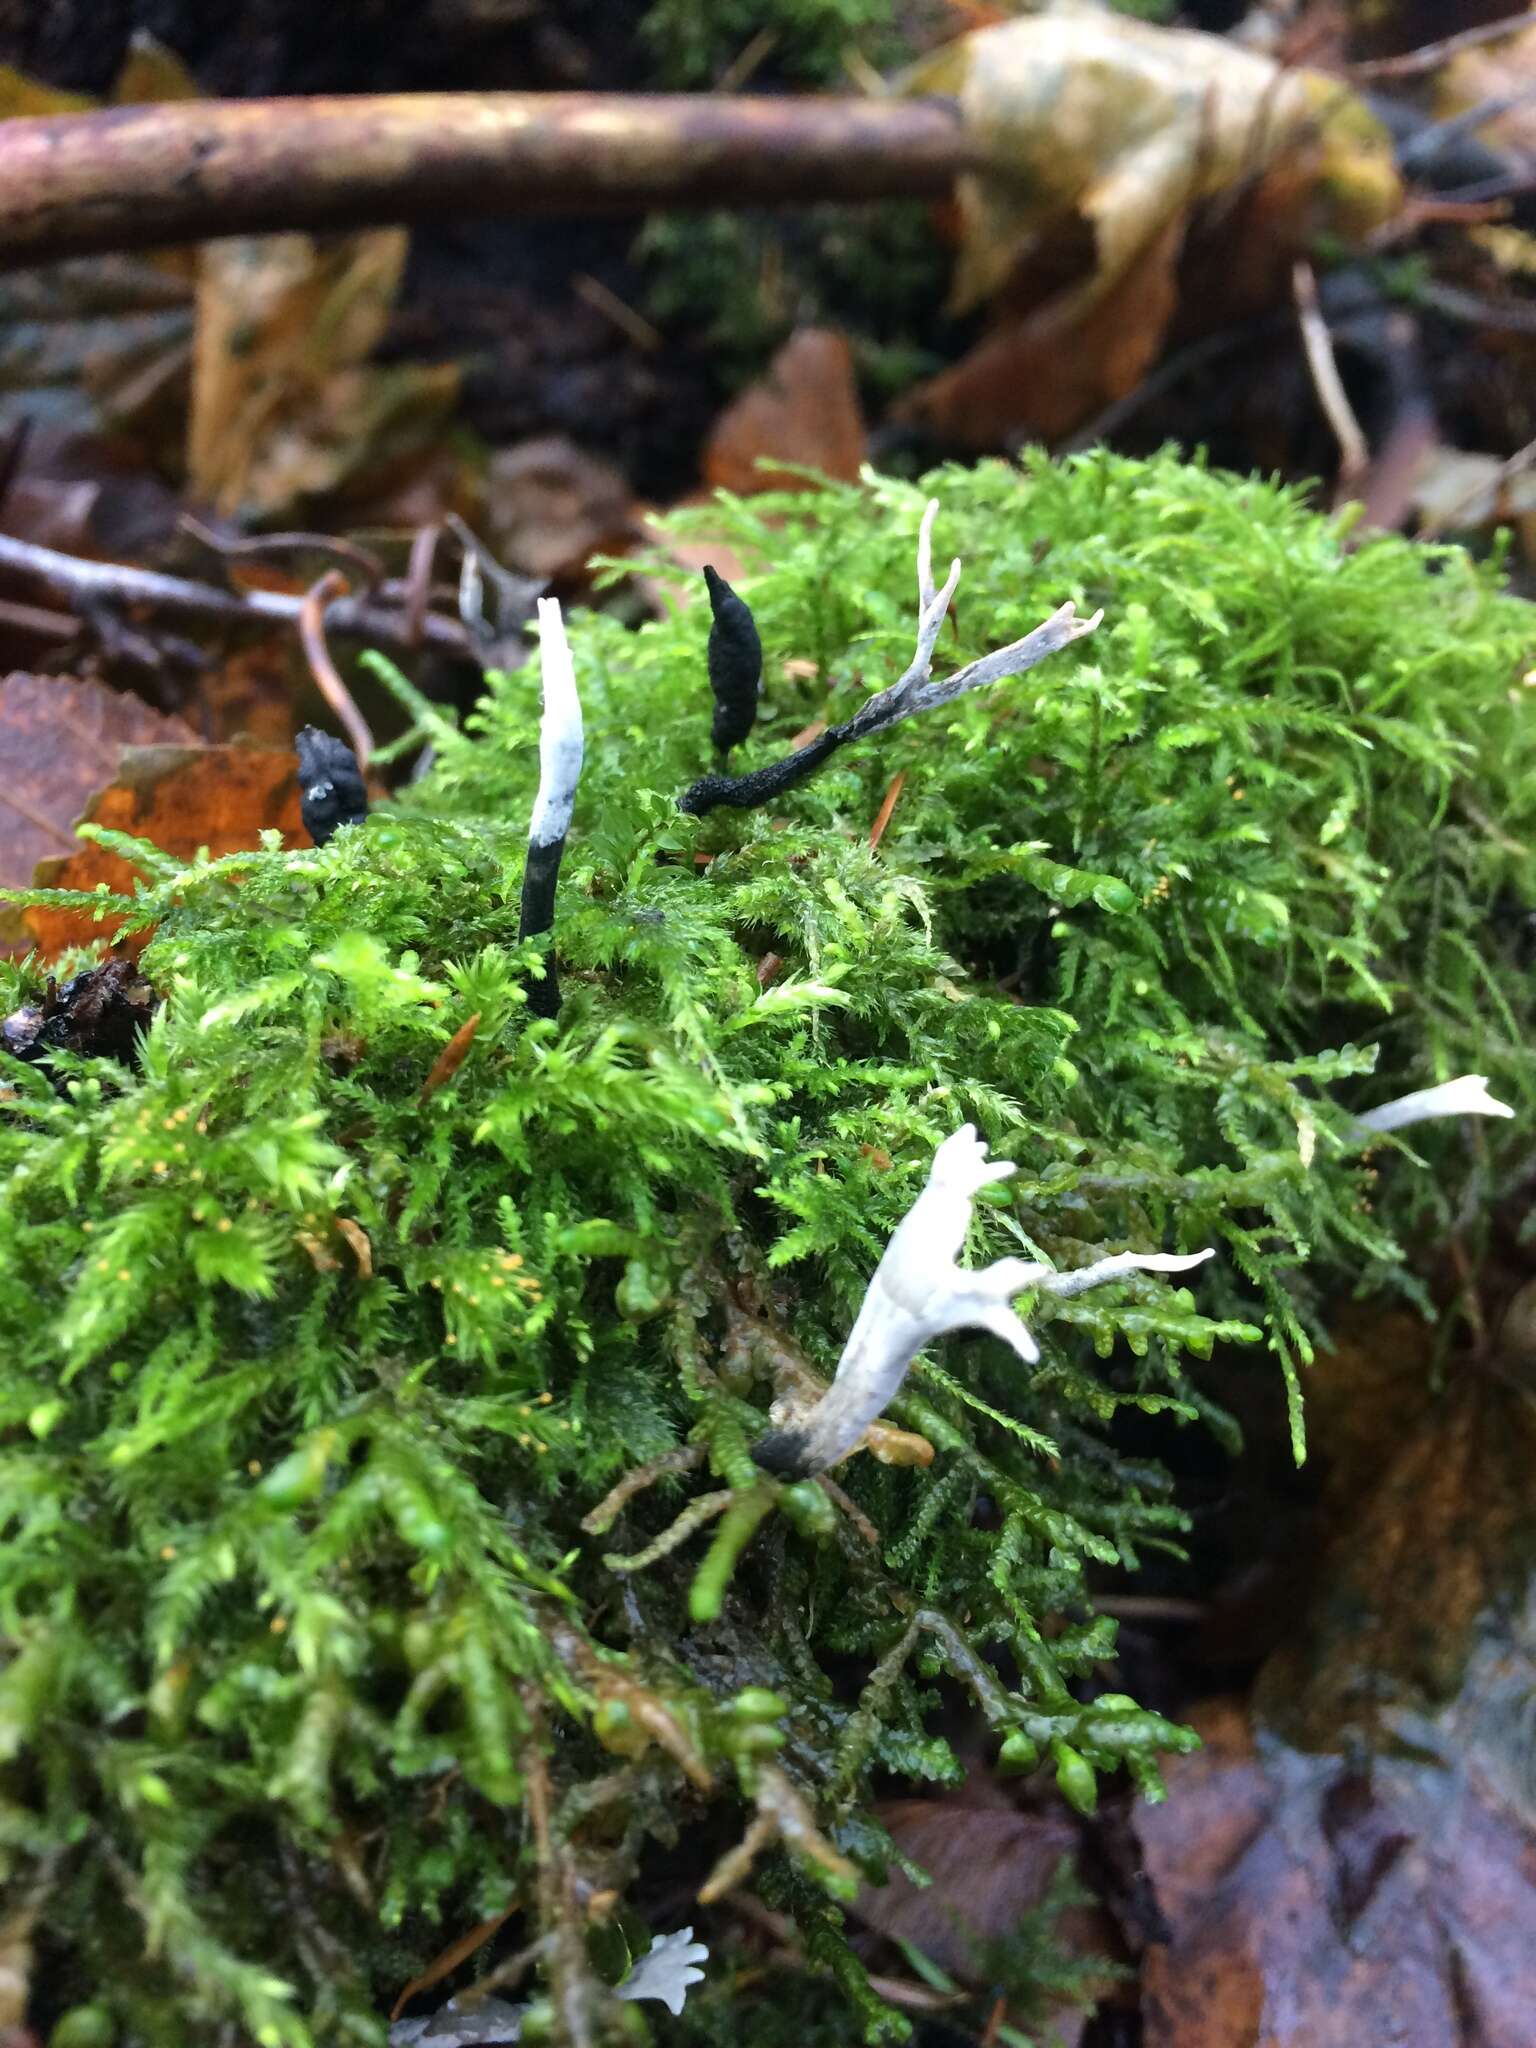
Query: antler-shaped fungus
[[915, 691], [918, 1293]]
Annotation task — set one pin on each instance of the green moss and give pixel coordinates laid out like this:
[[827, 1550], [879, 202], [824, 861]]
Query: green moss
[[309, 1384], [694, 42]]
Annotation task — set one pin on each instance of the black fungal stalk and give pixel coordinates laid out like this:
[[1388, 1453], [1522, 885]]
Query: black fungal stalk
[[560, 757], [331, 788], [914, 691], [735, 664]]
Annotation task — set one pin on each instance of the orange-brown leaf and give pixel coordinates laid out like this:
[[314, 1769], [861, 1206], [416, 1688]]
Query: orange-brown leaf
[[181, 798], [61, 740], [805, 411]]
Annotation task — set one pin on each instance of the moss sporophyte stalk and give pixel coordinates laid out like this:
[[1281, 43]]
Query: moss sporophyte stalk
[[382, 1546]]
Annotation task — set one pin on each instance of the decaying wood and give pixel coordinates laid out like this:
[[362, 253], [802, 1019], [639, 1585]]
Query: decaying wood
[[142, 177]]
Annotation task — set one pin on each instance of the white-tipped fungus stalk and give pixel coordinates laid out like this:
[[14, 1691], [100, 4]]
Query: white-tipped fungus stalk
[[560, 757], [918, 1293], [916, 690], [1467, 1095]]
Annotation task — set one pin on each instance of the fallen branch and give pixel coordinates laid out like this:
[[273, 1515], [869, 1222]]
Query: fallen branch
[[146, 177], [85, 585]]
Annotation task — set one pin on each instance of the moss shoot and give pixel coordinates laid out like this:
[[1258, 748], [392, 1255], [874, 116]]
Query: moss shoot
[[380, 1544]]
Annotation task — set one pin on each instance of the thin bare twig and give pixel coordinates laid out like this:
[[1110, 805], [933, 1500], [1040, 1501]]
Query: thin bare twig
[[1428, 55], [325, 672], [1152, 1607], [418, 581], [37, 623], [1509, 316], [516, 595], [572, 1988], [851, 1508], [1354, 454], [331, 544], [449, 1959], [83, 583]]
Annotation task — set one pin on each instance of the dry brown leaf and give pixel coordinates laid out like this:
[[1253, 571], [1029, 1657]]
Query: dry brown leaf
[[550, 506], [1363, 1869], [182, 798], [60, 741], [805, 411], [1044, 376], [690, 555], [250, 695], [284, 405], [988, 1866], [152, 74]]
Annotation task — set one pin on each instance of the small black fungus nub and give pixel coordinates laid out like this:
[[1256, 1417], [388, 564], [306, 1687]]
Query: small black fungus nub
[[785, 1452], [331, 790], [735, 663]]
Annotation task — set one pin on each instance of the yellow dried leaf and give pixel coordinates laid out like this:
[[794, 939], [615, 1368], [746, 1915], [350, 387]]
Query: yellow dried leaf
[[1123, 127], [284, 404]]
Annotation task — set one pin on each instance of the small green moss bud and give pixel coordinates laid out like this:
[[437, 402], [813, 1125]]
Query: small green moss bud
[[757, 1703], [84, 2026], [1075, 1777], [1018, 1754], [809, 1509]]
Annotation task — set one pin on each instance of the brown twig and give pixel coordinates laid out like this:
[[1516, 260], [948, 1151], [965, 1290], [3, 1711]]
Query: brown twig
[[418, 581], [1152, 1607], [325, 672], [144, 177], [573, 1990], [1426, 209], [450, 1059], [448, 1960], [1508, 316], [82, 583], [1354, 454], [851, 1508], [340, 550], [1428, 55]]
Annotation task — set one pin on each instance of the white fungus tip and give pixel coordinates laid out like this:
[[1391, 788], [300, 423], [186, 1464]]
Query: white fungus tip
[[1467, 1095]]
